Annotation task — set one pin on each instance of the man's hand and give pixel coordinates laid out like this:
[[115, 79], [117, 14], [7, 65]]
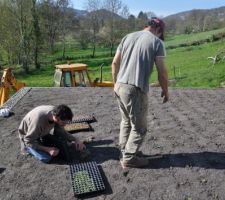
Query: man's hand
[[162, 77], [165, 96], [79, 145], [53, 151], [50, 150]]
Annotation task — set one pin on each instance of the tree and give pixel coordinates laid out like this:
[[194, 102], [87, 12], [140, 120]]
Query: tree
[[131, 22], [9, 35], [206, 23], [20, 32], [150, 14], [112, 30], [50, 21], [125, 13], [36, 33], [93, 22], [141, 20], [28, 27], [84, 39], [21, 11], [64, 23]]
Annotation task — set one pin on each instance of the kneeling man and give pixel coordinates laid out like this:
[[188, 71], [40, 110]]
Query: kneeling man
[[43, 122]]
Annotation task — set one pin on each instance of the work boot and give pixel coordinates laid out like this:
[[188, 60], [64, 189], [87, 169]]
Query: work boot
[[138, 153], [141, 154], [135, 162]]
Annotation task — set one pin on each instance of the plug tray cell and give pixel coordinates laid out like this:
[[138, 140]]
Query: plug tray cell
[[86, 178]]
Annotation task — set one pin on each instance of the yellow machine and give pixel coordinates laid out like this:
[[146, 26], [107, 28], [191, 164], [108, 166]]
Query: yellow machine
[[8, 82], [75, 75]]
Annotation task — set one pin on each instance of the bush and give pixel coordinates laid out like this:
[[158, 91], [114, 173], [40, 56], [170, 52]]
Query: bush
[[216, 37]]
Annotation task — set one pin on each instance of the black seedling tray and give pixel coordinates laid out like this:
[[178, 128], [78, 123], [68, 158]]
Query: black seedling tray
[[84, 118], [86, 178]]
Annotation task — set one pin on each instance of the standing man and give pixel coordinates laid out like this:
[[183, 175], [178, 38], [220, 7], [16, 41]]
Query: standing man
[[37, 125], [131, 70]]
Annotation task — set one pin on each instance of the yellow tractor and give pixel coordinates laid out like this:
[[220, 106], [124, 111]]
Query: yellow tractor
[[76, 75], [8, 82]]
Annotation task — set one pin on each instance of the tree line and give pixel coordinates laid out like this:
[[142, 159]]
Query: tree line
[[195, 21], [29, 28]]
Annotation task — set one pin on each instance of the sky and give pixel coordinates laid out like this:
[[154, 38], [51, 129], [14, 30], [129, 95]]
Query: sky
[[161, 7]]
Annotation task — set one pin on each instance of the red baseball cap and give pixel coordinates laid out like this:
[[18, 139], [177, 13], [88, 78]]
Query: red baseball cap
[[156, 22]]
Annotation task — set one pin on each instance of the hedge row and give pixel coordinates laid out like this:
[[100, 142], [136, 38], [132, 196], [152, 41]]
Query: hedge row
[[213, 38]]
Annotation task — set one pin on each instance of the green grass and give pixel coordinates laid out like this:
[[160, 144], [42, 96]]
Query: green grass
[[44, 77], [187, 38], [38, 78], [193, 69]]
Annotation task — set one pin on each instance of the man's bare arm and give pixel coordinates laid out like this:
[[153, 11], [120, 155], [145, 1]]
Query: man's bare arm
[[162, 77], [116, 65]]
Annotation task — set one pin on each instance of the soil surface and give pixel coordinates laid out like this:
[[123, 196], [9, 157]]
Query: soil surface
[[188, 132]]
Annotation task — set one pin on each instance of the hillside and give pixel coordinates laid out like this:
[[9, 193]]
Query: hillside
[[196, 20], [193, 68], [103, 13], [79, 13]]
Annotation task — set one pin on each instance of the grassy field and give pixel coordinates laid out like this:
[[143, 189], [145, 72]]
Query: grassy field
[[187, 38], [44, 77], [188, 65], [194, 69]]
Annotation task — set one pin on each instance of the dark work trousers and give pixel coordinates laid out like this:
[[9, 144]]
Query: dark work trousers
[[59, 140]]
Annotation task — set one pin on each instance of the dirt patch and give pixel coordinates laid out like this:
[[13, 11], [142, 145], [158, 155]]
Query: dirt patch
[[189, 133]]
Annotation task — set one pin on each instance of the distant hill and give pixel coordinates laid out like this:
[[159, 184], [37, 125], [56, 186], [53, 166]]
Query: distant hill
[[105, 14], [80, 13], [197, 20]]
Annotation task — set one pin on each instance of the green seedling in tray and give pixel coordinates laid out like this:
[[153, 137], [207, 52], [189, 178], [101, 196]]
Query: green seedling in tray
[[83, 183]]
